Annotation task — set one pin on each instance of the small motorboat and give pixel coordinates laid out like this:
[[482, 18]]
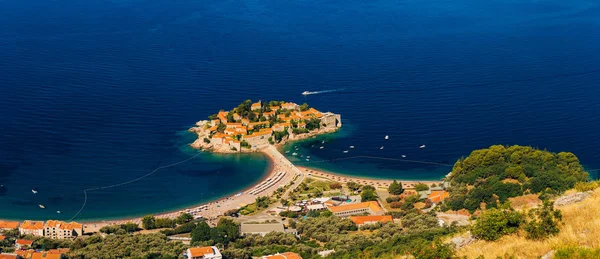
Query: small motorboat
[[287, 152], [351, 146], [323, 142], [422, 146], [307, 156], [294, 154], [403, 156], [307, 159], [345, 151], [381, 147], [321, 147], [42, 206], [34, 191], [58, 211], [387, 137], [305, 93]]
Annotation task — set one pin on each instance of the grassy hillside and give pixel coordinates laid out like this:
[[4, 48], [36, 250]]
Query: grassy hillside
[[580, 231]]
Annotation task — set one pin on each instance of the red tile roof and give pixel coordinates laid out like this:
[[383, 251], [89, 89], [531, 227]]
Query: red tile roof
[[359, 220]]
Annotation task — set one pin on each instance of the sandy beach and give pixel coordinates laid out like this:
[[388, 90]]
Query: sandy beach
[[379, 183]]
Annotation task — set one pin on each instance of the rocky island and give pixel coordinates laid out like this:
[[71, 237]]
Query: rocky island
[[252, 126]]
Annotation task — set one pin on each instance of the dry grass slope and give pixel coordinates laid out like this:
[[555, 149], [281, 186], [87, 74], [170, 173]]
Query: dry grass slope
[[581, 228]]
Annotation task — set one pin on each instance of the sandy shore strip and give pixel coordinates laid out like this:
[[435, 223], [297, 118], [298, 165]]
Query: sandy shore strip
[[378, 183]]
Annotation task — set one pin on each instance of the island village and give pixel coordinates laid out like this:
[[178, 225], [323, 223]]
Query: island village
[[254, 126]]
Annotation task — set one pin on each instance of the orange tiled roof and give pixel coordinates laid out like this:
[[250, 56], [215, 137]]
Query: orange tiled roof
[[373, 205], [213, 128], [2, 237], [359, 220], [200, 251], [438, 196], [254, 105], [32, 225], [7, 256], [24, 242], [8, 224], [287, 255], [275, 107], [62, 225]]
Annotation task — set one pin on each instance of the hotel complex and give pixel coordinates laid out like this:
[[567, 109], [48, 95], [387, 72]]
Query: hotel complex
[[52, 228], [369, 207]]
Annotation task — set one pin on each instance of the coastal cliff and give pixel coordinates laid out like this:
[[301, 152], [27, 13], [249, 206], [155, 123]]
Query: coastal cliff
[[251, 127]]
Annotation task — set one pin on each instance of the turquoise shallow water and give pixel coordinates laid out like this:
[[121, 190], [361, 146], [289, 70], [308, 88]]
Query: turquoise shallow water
[[95, 93]]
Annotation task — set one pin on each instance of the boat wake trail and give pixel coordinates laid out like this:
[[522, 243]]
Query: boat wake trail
[[128, 182], [322, 91]]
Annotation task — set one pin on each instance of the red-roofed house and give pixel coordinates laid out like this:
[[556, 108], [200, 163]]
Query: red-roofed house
[[8, 256], [35, 228], [371, 207], [8, 225], [438, 196], [207, 252], [256, 106], [366, 220], [23, 243]]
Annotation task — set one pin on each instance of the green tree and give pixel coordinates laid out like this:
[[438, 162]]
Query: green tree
[[303, 107], [353, 186], [149, 222], [395, 188], [368, 193], [495, 223], [201, 233], [421, 187], [543, 222], [184, 218]]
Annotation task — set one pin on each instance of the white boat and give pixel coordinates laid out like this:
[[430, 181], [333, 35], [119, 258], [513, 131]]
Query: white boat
[[323, 142], [42, 206], [307, 156], [345, 151], [307, 159], [422, 146], [381, 147], [387, 137], [58, 211], [403, 155], [321, 147], [305, 93], [351, 146], [287, 151], [294, 154], [33, 191]]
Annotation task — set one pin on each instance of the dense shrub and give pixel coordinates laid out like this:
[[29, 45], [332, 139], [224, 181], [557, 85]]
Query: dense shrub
[[395, 188], [421, 187], [543, 222], [498, 173], [495, 223]]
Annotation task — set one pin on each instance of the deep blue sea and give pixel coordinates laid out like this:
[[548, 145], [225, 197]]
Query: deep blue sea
[[96, 93]]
